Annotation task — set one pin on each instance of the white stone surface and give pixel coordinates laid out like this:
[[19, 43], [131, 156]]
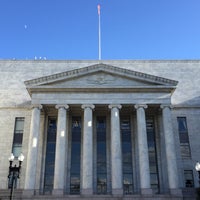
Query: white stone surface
[[61, 146], [87, 179], [33, 149], [170, 147], [116, 150], [143, 148], [103, 98]]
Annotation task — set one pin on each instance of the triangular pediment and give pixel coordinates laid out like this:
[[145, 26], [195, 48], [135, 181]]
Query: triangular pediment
[[99, 76]]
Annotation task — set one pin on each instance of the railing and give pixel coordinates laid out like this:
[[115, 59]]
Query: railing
[[128, 188], [75, 189], [101, 188]]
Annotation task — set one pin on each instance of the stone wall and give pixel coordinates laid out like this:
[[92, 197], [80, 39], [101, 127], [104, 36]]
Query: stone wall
[[14, 73]]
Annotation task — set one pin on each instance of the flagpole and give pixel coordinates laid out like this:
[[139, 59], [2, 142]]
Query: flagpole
[[99, 14]]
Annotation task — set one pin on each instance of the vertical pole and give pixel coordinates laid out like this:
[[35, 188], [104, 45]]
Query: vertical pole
[[12, 186], [99, 14]]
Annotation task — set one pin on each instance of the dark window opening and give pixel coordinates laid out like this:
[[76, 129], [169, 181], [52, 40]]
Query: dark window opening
[[75, 155], [189, 179], [125, 126], [50, 156], [153, 165], [183, 137], [101, 155]]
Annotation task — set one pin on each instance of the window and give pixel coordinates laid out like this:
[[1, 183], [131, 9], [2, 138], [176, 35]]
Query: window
[[50, 156], [101, 155], [75, 155], [127, 155], [183, 137], [189, 180], [152, 154], [18, 136]]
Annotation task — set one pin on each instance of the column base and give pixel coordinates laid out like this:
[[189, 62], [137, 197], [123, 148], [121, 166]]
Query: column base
[[88, 191], [59, 192], [146, 191], [176, 192], [116, 192]]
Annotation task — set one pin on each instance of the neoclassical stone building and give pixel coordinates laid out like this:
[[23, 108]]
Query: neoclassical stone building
[[93, 129]]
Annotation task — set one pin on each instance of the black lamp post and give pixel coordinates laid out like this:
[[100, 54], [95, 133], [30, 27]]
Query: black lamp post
[[14, 173]]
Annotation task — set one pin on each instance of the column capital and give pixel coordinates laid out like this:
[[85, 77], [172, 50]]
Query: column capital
[[39, 106], [162, 106], [65, 106], [137, 106], [119, 106], [88, 106]]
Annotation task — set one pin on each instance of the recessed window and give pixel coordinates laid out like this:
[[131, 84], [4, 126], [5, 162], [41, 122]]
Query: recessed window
[[152, 154], [183, 137], [189, 180], [50, 156], [75, 155], [18, 136], [125, 126], [101, 155]]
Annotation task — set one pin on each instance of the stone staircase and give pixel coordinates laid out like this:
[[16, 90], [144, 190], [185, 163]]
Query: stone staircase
[[18, 195], [5, 194]]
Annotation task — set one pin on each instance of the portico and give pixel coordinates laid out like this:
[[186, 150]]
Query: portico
[[95, 109]]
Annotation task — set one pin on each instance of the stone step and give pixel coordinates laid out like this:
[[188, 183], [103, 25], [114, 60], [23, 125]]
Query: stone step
[[5, 194], [18, 195]]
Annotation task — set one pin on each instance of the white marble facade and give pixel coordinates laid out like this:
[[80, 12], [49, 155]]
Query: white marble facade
[[91, 89]]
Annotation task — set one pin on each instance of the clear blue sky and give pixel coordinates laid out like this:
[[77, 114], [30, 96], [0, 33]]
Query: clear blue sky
[[131, 29]]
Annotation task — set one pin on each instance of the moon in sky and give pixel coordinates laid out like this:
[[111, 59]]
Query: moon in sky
[[25, 26]]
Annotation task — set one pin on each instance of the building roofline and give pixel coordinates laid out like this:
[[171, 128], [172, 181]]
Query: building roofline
[[107, 61]]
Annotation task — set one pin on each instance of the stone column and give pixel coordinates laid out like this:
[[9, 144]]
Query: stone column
[[87, 179], [143, 150], [170, 150], [61, 147], [116, 151], [32, 151]]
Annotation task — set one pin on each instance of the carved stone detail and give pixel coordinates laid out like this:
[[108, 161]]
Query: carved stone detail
[[101, 79]]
